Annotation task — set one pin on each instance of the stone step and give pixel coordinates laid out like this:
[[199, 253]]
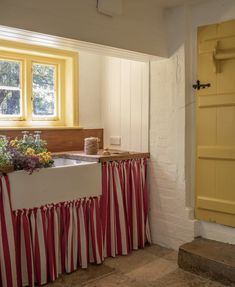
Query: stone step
[[210, 258]]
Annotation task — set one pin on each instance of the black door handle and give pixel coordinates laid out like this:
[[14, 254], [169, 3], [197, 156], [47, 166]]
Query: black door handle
[[199, 86]]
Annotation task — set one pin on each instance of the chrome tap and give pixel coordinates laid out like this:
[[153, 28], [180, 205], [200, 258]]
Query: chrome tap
[[37, 138], [25, 136]]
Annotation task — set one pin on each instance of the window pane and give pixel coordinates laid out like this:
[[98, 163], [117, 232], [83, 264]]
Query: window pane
[[44, 90], [9, 102], [10, 91], [9, 73]]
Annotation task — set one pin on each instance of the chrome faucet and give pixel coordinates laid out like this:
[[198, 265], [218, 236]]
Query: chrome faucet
[[32, 138], [37, 138], [25, 136]]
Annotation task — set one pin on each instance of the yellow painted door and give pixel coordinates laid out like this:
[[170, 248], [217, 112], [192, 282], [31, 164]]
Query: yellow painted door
[[215, 171]]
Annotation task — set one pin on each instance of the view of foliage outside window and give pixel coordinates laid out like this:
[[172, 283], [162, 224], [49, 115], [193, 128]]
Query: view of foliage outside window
[[10, 90], [44, 89]]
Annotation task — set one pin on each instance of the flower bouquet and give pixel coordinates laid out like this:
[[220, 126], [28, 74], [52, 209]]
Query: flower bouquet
[[18, 154], [6, 162]]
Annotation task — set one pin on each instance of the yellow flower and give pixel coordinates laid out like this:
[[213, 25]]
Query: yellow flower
[[44, 157], [30, 151], [14, 142]]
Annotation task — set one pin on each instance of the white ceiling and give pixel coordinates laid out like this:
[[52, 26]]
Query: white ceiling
[[173, 3]]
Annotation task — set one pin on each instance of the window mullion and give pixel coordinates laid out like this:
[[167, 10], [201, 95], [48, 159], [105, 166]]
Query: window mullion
[[23, 88], [29, 94], [57, 91]]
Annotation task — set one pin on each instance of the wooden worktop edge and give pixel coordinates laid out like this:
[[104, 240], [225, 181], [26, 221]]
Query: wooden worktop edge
[[101, 158]]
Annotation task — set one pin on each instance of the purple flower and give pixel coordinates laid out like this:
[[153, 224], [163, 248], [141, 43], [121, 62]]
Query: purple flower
[[25, 162]]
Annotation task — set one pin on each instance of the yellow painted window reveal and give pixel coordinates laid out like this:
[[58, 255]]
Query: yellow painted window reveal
[[38, 86]]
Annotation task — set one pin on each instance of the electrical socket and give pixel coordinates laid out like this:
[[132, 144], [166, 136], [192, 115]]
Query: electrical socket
[[115, 140]]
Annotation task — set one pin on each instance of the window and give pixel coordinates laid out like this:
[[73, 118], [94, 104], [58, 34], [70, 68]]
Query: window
[[41, 81], [10, 89], [38, 86], [44, 90]]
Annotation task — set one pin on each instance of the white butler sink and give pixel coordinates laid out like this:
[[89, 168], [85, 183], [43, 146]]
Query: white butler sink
[[67, 162], [69, 179]]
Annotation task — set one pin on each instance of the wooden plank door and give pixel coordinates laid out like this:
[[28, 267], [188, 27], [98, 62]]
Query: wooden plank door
[[215, 171]]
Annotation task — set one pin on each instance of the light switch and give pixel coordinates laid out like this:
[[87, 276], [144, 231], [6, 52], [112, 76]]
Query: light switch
[[115, 140]]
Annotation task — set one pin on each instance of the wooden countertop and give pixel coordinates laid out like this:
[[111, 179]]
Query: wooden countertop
[[100, 157]]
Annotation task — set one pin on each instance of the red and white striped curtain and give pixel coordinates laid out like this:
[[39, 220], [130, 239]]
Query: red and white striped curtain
[[39, 244], [8, 275], [124, 204], [57, 238]]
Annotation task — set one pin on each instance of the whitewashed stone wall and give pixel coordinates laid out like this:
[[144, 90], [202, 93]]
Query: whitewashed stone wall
[[170, 222]]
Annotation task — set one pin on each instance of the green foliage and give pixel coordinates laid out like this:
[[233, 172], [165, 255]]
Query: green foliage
[[43, 89], [43, 103], [9, 77], [43, 82], [43, 76], [38, 148], [20, 155], [5, 156], [9, 102], [9, 73]]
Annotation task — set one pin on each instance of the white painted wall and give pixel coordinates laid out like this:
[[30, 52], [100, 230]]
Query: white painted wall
[[139, 28], [114, 95], [125, 103], [90, 90], [172, 129]]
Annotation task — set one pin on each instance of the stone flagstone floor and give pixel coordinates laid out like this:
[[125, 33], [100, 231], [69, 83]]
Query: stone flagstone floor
[[153, 266]]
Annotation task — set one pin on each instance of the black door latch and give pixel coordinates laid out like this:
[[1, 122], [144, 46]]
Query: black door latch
[[199, 86]]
